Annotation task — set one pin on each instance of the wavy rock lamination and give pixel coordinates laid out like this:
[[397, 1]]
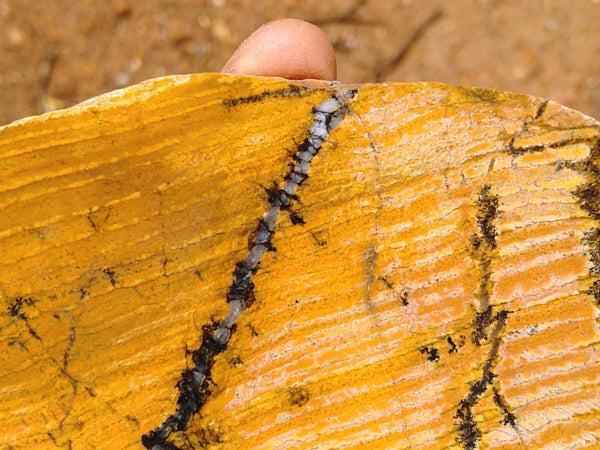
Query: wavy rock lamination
[[421, 274]]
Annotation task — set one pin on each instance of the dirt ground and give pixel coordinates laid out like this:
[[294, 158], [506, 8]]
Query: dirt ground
[[54, 53]]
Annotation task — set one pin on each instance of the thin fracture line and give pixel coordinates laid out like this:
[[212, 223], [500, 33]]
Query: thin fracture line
[[382, 72], [193, 386]]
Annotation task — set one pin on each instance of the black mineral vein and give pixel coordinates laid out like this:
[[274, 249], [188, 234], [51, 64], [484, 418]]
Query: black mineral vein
[[193, 385], [483, 247], [588, 197], [487, 324], [291, 91]]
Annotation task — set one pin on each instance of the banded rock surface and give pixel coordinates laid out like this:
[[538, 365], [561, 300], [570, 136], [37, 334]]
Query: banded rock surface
[[234, 262]]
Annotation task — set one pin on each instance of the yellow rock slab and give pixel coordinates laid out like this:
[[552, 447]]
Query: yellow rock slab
[[433, 283]]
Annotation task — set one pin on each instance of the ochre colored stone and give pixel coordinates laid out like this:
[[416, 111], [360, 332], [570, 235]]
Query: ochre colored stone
[[441, 288]]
